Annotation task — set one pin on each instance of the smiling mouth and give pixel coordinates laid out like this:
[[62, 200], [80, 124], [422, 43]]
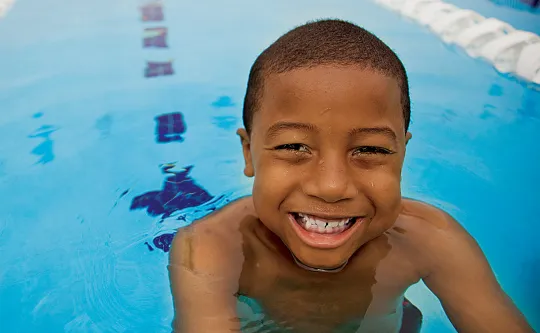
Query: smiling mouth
[[320, 225]]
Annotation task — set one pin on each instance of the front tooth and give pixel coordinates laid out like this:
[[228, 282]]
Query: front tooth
[[321, 224], [333, 224]]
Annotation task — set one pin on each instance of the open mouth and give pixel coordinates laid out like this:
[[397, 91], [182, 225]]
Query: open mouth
[[324, 226], [326, 233]]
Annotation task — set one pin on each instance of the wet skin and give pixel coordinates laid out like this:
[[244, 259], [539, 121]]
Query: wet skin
[[329, 142]]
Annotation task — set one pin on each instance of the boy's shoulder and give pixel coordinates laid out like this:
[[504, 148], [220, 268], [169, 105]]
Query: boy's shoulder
[[421, 214], [213, 242], [421, 219], [220, 229], [427, 233], [227, 218]]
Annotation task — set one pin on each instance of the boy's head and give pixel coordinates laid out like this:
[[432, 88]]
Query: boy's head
[[326, 118]]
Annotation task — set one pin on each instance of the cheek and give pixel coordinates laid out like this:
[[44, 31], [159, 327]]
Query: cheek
[[269, 190], [384, 189], [272, 184]]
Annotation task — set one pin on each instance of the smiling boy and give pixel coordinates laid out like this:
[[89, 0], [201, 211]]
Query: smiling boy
[[326, 243]]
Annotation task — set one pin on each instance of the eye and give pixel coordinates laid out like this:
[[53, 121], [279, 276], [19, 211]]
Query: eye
[[371, 150], [296, 147]]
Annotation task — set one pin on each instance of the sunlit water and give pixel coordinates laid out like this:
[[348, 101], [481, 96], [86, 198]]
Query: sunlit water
[[99, 165]]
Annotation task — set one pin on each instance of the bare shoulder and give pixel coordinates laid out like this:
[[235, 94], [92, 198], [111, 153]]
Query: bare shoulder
[[428, 234], [212, 240], [224, 219], [421, 219]]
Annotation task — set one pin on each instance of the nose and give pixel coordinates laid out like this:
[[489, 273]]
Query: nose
[[329, 180]]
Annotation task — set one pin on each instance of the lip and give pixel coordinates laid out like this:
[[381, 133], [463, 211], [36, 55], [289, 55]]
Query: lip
[[325, 241]]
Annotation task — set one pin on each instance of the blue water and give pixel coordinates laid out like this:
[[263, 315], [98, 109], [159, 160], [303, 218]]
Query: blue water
[[515, 12], [99, 165]]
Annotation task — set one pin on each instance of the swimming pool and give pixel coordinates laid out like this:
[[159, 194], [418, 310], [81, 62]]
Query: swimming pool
[[107, 146]]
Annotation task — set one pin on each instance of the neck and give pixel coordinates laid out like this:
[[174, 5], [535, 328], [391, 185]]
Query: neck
[[318, 269]]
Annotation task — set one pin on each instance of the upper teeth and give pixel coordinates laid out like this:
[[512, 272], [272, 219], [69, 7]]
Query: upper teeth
[[310, 220]]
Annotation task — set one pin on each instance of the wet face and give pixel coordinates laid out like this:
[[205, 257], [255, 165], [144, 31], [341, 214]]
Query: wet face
[[326, 150]]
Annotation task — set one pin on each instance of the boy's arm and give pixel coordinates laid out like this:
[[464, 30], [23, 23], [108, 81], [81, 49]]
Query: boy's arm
[[203, 296], [204, 272], [460, 276]]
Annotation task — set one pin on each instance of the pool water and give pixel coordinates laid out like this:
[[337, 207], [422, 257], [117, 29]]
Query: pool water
[[109, 141]]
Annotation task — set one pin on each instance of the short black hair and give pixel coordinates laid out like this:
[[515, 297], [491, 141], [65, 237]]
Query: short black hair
[[324, 42]]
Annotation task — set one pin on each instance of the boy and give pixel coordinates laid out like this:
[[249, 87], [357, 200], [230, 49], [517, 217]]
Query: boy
[[326, 243]]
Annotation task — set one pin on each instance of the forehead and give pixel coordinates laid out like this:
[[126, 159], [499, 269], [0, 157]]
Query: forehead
[[344, 94]]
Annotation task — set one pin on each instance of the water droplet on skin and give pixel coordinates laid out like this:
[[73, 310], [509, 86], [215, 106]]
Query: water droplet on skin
[[325, 110]]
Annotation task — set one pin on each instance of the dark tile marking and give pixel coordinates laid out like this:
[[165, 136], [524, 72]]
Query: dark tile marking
[[170, 127], [155, 37], [152, 12], [163, 242], [179, 191], [155, 69]]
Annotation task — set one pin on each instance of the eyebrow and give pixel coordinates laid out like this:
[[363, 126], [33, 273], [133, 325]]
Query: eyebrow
[[281, 126], [386, 131]]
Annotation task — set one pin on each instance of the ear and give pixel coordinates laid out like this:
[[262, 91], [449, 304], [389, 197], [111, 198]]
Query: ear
[[246, 150], [408, 136]]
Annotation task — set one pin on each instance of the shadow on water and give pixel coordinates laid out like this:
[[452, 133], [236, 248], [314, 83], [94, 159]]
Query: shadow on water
[[104, 125], [45, 149]]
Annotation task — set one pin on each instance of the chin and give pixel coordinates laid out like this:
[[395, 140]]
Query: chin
[[321, 258]]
